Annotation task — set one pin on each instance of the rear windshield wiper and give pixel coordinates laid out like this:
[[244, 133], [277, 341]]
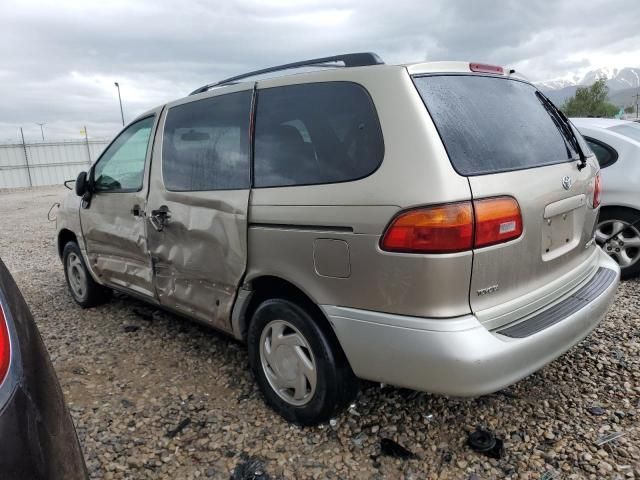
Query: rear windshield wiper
[[563, 124]]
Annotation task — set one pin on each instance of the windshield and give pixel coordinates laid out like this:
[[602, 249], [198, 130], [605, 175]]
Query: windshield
[[629, 130], [492, 124]]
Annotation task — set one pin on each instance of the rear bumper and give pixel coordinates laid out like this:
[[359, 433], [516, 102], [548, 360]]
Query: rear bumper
[[459, 356]]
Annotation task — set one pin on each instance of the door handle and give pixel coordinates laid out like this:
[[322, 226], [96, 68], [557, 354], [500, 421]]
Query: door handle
[[135, 211], [159, 218]]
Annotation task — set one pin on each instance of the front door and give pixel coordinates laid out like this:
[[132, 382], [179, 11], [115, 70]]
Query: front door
[[198, 202], [112, 223]]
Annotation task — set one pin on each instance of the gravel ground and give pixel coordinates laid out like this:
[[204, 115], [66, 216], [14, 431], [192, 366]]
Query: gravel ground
[[156, 396]]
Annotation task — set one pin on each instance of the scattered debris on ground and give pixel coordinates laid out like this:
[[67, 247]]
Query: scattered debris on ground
[[485, 442], [126, 391]]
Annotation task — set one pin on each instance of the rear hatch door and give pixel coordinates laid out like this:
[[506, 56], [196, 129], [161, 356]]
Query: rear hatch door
[[501, 135]]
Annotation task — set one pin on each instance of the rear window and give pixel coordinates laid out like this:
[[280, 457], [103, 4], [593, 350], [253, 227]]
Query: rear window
[[315, 133], [631, 130], [490, 124]]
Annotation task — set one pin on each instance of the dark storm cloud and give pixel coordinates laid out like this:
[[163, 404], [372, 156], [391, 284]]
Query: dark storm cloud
[[60, 59]]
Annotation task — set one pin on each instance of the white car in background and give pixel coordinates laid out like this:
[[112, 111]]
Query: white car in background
[[616, 144]]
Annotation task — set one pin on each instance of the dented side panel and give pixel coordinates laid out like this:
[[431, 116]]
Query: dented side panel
[[200, 255], [114, 231]]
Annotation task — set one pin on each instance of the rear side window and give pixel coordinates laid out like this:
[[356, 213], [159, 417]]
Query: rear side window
[[605, 154], [491, 124], [315, 133], [206, 144]]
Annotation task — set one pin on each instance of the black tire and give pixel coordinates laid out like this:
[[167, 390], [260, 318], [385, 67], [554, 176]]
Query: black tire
[[91, 293], [630, 217], [335, 385]]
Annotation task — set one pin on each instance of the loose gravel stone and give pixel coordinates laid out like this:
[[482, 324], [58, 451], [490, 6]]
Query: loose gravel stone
[[126, 390]]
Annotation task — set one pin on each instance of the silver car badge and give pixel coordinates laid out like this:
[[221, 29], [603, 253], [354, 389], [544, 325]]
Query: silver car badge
[[566, 182]]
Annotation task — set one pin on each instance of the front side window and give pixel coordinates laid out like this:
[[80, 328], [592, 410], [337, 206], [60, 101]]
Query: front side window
[[315, 133], [121, 166], [605, 154], [206, 144]]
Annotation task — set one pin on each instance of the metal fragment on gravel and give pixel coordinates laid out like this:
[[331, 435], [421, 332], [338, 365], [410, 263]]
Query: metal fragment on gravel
[[609, 438]]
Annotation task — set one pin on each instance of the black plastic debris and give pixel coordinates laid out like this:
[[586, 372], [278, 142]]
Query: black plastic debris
[[181, 426], [131, 328], [145, 315], [393, 449], [485, 442], [249, 468], [507, 393], [597, 411]]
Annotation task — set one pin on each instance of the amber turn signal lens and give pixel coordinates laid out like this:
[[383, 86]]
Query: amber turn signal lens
[[454, 227], [439, 229]]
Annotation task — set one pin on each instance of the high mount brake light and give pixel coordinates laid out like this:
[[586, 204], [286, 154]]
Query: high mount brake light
[[597, 191], [484, 68], [5, 346], [454, 227]]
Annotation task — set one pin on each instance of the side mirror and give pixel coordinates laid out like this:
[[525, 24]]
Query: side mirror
[[82, 184]]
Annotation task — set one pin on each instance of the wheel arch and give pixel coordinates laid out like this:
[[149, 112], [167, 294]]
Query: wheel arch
[[65, 236], [610, 207], [264, 287]]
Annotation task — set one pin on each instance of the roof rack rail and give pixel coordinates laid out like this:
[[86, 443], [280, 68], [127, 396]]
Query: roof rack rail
[[349, 60]]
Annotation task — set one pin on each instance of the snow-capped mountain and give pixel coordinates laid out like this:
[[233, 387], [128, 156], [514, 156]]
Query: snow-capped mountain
[[622, 82], [555, 84], [617, 79]]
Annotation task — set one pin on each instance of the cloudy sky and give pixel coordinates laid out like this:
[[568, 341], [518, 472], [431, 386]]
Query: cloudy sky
[[59, 59]]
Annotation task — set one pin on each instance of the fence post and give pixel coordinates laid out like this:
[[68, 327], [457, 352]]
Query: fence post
[[26, 157], [86, 137]]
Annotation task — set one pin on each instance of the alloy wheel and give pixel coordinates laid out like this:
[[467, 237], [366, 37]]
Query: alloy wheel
[[624, 246]]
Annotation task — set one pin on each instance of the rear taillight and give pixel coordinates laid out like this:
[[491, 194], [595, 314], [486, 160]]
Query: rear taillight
[[5, 346], [484, 68], [439, 229], [497, 220], [454, 227], [597, 191]]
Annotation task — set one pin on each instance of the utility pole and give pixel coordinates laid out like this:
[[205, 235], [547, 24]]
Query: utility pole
[[26, 157], [41, 129], [86, 139], [637, 97], [120, 100]]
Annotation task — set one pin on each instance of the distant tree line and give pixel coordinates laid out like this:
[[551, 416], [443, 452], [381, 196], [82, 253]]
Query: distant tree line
[[591, 102]]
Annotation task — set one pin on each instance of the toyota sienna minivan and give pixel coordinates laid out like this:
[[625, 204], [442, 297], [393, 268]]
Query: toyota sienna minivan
[[428, 226]]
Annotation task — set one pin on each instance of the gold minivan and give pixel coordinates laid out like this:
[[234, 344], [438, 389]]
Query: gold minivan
[[428, 226]]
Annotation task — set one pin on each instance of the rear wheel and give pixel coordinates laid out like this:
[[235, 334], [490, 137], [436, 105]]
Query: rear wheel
[[618, 233], [300, 368], [84, 290]]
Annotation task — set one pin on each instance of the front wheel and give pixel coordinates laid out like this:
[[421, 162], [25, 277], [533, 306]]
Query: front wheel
[[84, 290], [618, 233], [298, 365]]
